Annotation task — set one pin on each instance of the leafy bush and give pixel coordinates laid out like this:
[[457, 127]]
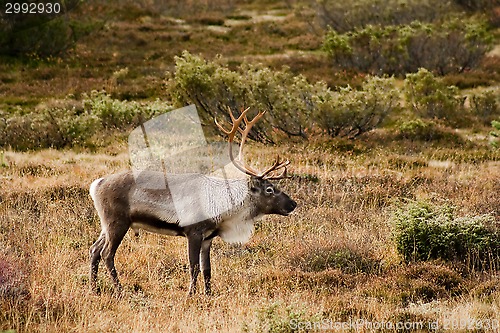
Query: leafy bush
[[70, 123], [345, 16], [477, 5], [212, 86], [496, 132], [449, 47], [42, 34], [351, 112], [485, 105], [429, 97], [112, 113], [423, 231], [295, 106], [52, 128], [420, 129]]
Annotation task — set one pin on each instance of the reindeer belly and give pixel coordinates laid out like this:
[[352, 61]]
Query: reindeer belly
[[155, 225], [155, 216]]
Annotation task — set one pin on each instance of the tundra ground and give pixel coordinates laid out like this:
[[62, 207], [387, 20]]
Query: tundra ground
[[333, 260], [332, 264]]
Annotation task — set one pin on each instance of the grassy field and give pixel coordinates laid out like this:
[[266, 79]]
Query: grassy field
[[332, 265], [332, 259]]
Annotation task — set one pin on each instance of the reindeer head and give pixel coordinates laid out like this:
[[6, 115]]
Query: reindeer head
[[268, 199]]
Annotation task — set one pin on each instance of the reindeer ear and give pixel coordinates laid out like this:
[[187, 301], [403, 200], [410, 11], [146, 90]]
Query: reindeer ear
[[255, 184]]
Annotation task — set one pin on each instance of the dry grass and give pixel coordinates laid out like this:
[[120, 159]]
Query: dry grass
[[333, 259]]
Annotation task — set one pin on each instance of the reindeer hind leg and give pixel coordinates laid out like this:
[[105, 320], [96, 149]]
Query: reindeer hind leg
[[112, 242], [95, 257]]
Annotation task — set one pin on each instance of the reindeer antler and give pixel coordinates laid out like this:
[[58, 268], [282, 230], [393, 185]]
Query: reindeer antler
[[238, 163]]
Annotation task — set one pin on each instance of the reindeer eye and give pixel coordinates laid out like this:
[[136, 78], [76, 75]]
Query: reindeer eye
[[269, 190]]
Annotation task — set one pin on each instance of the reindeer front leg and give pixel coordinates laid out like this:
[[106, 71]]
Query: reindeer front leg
[[194, 248], [205, 264]]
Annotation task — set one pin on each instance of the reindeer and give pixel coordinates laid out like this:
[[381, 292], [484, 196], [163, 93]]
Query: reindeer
[[122, 203]]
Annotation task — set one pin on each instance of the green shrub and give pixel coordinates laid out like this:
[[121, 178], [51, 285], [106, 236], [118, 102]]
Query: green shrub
[[423, 231], [496, 132], [429, 97], [41, 35], [211, 86], [351, 112], [449, 47], [478, 5], [71, 127], [112, 113], [120, 115], [295, 107], [51, 128], [420, 129], [345, 16], [485, 105], [70, 123]]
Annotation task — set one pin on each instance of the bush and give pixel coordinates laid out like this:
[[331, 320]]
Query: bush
[[429, 97], [351, 112], [55, 128], [449, 47], [496, 132], [423, 232], [40, 35], [477, 5], [113, 113], [212, 86], [70, 123], [485, 105], [295, 107], [421, 130], [345, 16]]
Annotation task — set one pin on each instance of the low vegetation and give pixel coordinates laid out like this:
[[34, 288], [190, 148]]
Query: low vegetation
[[70, 123], [425, 232], [429, 97], [453, 46], [351, 15], [50, 33], [296, 108], [495, 133], [388, 111]]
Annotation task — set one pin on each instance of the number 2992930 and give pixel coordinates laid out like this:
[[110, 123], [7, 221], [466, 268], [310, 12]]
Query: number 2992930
[[32, 8]]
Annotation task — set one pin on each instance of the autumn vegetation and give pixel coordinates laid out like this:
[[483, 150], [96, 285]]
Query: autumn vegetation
[[388, 111]]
